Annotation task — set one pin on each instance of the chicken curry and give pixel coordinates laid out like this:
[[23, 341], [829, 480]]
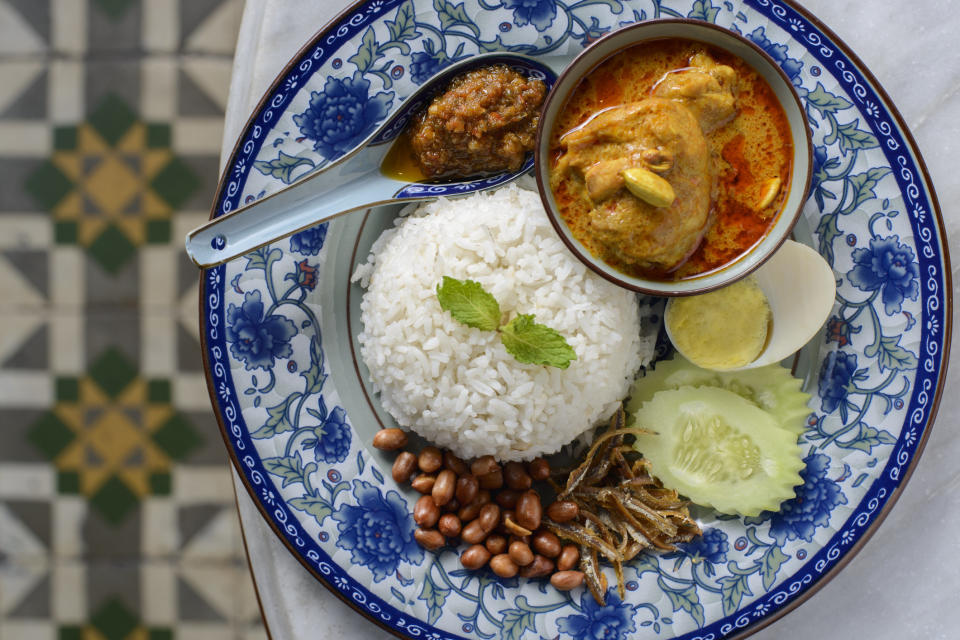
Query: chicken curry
[[671, 159]]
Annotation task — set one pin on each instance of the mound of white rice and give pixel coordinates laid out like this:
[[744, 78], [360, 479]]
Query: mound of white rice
[[457, 386]]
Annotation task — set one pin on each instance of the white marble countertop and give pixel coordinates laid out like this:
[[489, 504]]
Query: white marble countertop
[[903, 584]]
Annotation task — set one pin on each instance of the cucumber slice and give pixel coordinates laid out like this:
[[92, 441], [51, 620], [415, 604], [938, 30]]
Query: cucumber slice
[[719, 450], [771, 388]]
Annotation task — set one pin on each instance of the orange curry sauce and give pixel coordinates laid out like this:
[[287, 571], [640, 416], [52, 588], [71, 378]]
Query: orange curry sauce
[[746, 152]]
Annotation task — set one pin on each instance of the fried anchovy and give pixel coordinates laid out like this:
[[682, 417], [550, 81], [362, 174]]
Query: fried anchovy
[[616, 458], [623, 509], [591, 573], [669, 500], [638, 508], [582, 536], [580, 473], [621, 583]]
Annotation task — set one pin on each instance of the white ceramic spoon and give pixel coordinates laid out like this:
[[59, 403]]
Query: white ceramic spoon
[[351, 183]]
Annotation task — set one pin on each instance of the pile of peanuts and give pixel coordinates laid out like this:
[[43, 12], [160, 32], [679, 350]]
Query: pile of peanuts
[[494, 509]]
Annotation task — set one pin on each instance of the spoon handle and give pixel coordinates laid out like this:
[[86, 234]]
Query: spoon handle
[[347, 186]]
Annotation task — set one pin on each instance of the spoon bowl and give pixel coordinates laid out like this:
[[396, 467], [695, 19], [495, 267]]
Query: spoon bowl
[[354, 181]]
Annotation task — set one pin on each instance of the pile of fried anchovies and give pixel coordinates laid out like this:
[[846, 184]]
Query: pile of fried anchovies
[[622, 509]]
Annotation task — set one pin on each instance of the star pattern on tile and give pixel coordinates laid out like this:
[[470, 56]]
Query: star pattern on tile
[[112, 183], [113, 436]]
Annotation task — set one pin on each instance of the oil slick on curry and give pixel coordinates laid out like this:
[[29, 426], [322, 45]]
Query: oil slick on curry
[[671, 159]]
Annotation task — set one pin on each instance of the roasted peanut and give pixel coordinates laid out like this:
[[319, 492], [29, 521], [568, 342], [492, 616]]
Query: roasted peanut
[[484, 465], [541, 566], [469, 512], [423, 483], [539, 469], [496, 544], [489, 517], [449, 525], [390, 439], [444, 487], [473, 533], [529, 510], [505, 515], [429, 538], [467, 488], [517, 477], [566, 580], [455, 464], [474, 557], [430, 459], [425, 512], [520, 553], [504, 567], [403, 467], [492, 480], [546, 543], [507, 498], [563, 510], [569, 557]]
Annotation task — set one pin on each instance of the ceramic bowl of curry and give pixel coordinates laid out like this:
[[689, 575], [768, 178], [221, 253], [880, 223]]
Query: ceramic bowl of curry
[[673, 157]]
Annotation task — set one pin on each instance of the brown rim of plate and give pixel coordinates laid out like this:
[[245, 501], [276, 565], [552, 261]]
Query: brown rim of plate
[[608, 272], [894, 494]]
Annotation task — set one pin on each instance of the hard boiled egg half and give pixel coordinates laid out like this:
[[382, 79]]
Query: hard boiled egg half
[[759, 320]]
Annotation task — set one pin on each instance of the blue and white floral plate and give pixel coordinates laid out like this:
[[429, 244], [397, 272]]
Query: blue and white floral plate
[[298, 414]]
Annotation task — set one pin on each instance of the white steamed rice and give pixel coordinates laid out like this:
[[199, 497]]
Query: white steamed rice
[[457, 386]]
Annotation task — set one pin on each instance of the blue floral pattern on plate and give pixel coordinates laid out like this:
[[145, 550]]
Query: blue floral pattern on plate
[[340, 116], [299, 436], [378, 530]]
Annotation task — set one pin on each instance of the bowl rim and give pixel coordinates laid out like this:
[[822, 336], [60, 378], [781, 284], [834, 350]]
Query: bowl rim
[[598, 265]]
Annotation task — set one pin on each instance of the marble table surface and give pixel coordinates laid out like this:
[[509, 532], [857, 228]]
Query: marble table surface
[[903, 584]]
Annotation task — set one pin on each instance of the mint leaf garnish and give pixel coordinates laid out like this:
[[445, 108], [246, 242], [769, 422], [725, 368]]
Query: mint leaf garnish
[[468, 303], [534, 343]]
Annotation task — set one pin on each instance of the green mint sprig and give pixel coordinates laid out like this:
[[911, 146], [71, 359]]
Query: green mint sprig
[[525, 339]]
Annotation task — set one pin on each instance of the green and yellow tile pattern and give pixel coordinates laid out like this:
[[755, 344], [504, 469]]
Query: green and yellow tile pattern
[[117, 514]]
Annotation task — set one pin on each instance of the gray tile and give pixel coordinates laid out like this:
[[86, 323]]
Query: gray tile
[[33, 353], [117, 76], [31, 104], [16, 424], [113, 326], [193, 101], [114, 31], [106, 289], [120, 541], [15, 172], [188, 276], [189, 356], [112, 580], [36, 13], [207, 170], [193, 518], [210, 450], [32, 264], [193, 13], [193, 607], [34, 515], [35, 604]]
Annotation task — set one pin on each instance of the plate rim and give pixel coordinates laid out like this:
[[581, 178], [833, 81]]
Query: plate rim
[[891, 500]]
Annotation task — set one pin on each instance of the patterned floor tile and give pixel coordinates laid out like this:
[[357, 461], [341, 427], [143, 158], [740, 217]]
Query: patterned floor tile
[[117, 512]]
